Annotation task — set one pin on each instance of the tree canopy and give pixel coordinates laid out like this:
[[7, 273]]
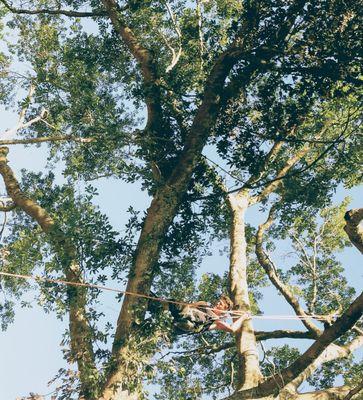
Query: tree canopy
[[212, 107]]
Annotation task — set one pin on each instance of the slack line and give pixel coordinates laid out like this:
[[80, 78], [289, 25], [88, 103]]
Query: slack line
[[173, 304]]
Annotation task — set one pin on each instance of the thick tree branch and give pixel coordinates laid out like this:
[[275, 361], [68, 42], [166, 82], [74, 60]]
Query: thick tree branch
[[332, 352], [80, 331], [335, 393], [354, 227], [284, 333], [146, 61], [274, 278], [341, 326], [67, 13], [61, 138], [164, 207]]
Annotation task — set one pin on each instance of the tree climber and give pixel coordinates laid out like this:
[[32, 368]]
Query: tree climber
[[202, 316]]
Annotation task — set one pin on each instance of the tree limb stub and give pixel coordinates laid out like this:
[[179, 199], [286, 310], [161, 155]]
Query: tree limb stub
[[354, 227]]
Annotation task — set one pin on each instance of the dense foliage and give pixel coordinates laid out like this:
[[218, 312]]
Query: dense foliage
[[200, 104]]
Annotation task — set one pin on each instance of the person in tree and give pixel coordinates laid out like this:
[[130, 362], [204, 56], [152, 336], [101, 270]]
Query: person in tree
[[201, 316]]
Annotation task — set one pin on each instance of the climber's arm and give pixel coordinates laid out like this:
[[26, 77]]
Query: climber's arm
[[231, 328]]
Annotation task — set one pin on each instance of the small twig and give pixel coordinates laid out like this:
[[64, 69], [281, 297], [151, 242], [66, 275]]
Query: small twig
[[273, 373]]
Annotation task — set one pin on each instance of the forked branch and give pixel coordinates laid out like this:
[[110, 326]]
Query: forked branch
[[332, 352], [145, 59]]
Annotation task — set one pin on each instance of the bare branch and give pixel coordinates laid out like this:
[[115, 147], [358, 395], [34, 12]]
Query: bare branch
[[21, 124], [200, 33], [61, 138], [28, 100], [353, 227], [274, 278], [67, 13]]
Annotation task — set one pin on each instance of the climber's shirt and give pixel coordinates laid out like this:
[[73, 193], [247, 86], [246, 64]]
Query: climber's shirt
[[192, 318]]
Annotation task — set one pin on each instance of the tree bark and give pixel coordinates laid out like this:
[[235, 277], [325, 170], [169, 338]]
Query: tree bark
[[354, 227], [249, 371], [162, 211]]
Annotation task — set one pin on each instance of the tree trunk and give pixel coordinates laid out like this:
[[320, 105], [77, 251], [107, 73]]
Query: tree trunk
[[249, 370]]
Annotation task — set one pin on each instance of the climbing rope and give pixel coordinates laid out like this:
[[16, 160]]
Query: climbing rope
[[233, 313]]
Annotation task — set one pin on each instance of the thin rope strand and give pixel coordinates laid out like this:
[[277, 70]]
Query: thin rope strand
[[160, 299]]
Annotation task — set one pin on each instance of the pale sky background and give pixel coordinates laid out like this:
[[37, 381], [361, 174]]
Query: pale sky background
[[30, 349]]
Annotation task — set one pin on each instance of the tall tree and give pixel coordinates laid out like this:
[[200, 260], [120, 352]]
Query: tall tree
[[135, 91]]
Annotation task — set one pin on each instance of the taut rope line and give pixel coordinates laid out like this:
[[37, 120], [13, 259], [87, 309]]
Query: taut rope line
[[160, 299]]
